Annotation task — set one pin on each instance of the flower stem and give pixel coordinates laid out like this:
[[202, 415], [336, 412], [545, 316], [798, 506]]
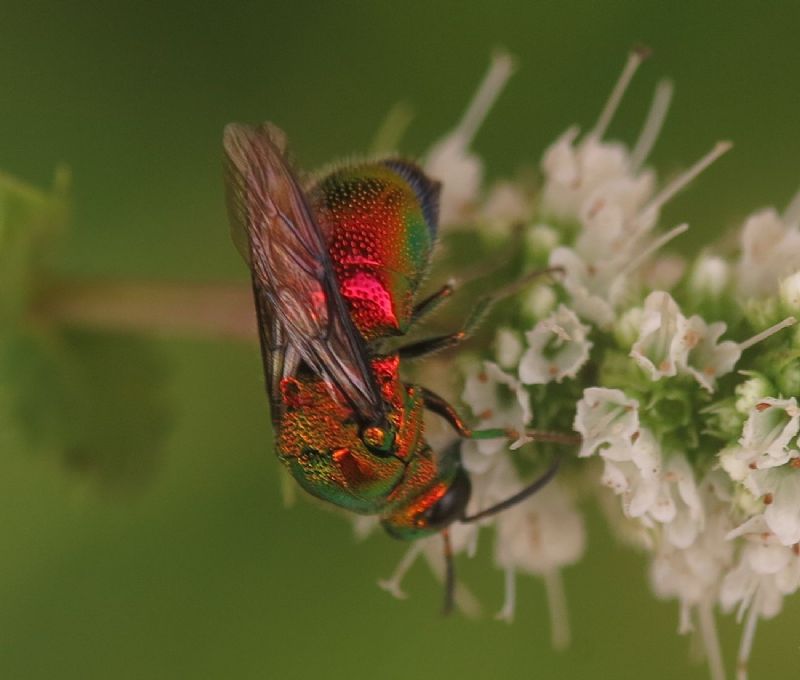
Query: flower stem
[[506, 612], [557, 605], [199, 310], [708, 632], [746, 643]]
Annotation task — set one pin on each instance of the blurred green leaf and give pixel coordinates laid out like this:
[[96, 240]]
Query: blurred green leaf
[[94, 400], [30, 223], [117, 414]]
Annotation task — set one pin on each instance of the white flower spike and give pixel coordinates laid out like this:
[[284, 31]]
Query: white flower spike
[[694, 432]]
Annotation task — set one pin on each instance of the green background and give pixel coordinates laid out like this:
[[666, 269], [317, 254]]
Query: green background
[[201, 572]]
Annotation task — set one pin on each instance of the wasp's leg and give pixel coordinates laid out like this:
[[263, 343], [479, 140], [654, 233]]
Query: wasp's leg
[[423, 348], [430, 303], [438, 405]]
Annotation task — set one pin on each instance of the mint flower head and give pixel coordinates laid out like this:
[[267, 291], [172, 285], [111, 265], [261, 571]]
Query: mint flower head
[[679, 377]]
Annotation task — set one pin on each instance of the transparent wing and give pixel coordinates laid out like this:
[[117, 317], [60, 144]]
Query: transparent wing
[[301, 313]]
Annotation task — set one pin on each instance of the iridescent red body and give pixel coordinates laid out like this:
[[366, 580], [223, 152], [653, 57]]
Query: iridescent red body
[[336, 270], [379, 220]]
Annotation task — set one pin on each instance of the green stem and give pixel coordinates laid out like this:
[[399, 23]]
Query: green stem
[[197, 310]]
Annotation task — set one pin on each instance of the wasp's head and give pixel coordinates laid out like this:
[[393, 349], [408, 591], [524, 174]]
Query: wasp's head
[[436, 494], [337, 456]]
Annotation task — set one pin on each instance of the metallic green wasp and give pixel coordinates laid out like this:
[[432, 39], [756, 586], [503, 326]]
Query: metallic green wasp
[[336, 268]]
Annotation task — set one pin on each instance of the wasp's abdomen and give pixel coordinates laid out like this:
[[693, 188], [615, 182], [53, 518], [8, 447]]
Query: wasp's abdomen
[[380, 223]]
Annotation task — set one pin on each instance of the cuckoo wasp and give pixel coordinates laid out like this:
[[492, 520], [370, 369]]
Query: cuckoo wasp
[[335, 269]]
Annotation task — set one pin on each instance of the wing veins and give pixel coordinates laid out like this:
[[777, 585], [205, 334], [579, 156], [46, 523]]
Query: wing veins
[[302, 314]]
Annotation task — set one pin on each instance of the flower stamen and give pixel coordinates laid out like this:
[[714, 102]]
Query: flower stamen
[[763, 335], [746, 644], [500, 70], [506, 612], [393, 584], [662, 97], [791, 216], [659, 243], [681, 181], [560, 635], [710, 639], [635, 58]]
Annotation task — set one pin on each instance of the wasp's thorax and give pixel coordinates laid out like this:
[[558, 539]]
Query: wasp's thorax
[[380, 223], [372, 468]]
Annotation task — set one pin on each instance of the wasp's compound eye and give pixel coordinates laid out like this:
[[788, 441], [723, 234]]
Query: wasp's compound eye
[[451, 506], [378, 439]]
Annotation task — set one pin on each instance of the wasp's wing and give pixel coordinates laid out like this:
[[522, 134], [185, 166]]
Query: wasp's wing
[[302, 315]]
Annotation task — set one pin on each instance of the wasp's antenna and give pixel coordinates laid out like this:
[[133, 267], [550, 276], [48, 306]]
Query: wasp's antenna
[[532, 488], [449, 575]]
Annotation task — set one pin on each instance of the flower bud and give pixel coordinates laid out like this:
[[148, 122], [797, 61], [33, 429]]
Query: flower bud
[[762, 312], [626, 328], [788, 379], [508, 348], [752, 391], [710, 276], [724, 419], [539, 302], [540, 240], [507, 203], [746, 502], [734, 465], [790, 293]]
